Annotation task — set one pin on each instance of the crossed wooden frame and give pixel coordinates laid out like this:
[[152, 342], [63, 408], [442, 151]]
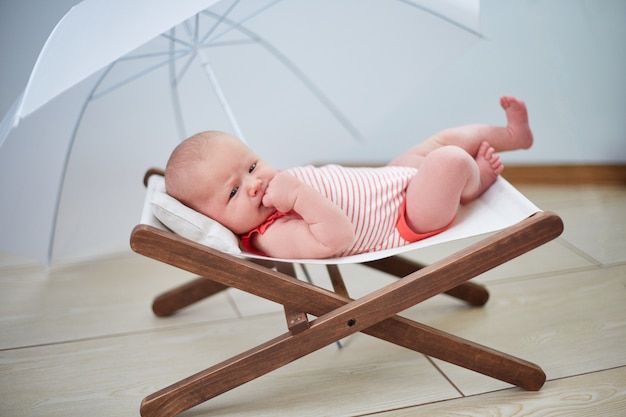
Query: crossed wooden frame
[[336, 314]]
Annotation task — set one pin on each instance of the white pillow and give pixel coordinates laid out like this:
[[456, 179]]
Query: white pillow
[[192, 225]]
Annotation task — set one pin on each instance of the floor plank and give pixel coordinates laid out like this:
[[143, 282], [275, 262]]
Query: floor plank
[[568, 324], [97, 299], [599, 394], [115, 373]]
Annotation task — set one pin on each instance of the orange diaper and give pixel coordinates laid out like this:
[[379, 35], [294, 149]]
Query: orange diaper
[[408, 234]]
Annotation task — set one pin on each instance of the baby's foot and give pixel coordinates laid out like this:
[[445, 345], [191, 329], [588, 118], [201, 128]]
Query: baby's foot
[[489, 167], [517, 122]]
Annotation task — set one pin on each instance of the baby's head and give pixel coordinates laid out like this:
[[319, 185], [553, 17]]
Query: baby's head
[[217, 175]]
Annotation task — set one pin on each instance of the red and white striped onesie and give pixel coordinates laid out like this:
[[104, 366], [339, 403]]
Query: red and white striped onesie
[[370, 197], [373, 199]]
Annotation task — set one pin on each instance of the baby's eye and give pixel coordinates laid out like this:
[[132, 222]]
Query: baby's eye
[[233, 192], [252, 168]]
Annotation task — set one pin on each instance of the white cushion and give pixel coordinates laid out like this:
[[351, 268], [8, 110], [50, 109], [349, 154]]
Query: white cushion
[[191, 224]]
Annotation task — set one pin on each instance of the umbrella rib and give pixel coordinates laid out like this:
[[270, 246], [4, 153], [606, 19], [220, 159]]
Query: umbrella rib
[[229, 43], [190, 52], [442, 17], [177, 40], [150, 55], [185, 68], [178, 114], [219, 21], [68, 152], [127, 80], [231, 23], [190, 30]]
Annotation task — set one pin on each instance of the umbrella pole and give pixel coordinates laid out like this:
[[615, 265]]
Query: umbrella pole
[[208, 69]]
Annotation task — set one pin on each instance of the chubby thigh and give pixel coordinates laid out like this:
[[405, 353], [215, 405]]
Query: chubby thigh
[[434, 193]]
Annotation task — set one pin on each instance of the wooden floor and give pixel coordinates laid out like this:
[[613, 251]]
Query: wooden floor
[[80, 340]]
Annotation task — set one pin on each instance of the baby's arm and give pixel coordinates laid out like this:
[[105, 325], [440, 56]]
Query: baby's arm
[[323, 231]]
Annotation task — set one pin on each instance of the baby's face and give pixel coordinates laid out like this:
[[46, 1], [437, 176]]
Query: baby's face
[[235, 180]]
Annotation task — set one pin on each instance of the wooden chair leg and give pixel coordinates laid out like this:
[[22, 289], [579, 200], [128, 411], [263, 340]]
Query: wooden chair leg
[[297, 320], [171, 301], [187, 294], [337, 280], [458, 351], [399, 266]]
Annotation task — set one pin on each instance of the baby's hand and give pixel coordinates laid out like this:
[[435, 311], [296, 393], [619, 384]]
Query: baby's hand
[[280, 192]]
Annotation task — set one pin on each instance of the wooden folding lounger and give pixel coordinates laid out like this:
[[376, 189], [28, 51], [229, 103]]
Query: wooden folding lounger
[[336, 315]]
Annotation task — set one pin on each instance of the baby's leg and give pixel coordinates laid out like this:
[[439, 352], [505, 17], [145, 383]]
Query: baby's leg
[[447, 177], [515, 135]]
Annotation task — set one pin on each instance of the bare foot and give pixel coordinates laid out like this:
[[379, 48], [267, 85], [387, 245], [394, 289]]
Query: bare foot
[[489, 166], [517, 122]]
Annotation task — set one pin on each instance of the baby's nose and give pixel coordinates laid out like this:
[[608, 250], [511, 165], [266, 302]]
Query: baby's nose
[[255, 186]]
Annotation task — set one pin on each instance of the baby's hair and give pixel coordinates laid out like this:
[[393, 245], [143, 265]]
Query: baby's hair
[[182, 165]]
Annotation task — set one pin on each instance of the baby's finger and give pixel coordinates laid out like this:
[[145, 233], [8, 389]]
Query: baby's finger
[[267, 200]]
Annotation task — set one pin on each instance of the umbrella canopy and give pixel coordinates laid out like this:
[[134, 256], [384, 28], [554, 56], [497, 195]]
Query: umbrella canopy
[[306, 82]]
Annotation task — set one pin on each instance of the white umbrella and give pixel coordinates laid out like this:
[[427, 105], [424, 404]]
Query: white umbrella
[[306, 81]]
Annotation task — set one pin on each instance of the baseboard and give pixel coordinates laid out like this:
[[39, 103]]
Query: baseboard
[[564, 174], [611, 174]]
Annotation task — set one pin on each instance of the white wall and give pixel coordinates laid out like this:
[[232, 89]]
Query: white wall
[[24, 27], [566, 58]]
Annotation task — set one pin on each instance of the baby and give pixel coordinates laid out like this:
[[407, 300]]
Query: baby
[[311, 212]]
